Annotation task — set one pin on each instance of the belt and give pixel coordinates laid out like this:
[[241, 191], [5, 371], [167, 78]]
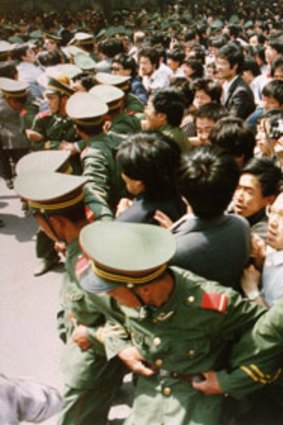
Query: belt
[[198, 377]]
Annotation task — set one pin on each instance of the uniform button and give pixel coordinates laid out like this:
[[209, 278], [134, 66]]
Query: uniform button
[[191, 353], [133, 334], [158, 362], [156, 341], [154, 321], [191, 299], [167, 391]]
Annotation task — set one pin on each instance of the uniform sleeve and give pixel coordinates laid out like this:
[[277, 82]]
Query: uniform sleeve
[[96, 168], [256, 359]]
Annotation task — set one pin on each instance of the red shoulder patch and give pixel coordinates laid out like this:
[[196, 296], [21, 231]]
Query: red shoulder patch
[[43, 114], [89, 214], [23, 112], [82, 265], [214, 301]]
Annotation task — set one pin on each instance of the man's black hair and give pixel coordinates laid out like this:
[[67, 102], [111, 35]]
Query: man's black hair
[[170, 102], [232, 53], [212, 111], [274, 89], [151, 54], [235, 136], [152, 158], [208, 179], [267, 174], [212, 88]]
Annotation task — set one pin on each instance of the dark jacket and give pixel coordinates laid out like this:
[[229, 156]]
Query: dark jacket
[[240, 99]]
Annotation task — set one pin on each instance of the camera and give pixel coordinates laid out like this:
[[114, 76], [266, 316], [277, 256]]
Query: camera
[[276, 129]]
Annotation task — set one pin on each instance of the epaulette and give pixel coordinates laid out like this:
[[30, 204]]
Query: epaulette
[[43, 114], [90, 215], [83, 271], [214, 301]]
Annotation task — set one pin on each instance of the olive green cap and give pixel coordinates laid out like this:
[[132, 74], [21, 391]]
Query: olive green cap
[[217, 24], [15, 39], [86, 109], [71, 50], [53, 37], [37, 35], [13, 88], [125, 254], [234, 19], [44, 161], [56, 79], [50, 192], [84, 61], [5, 47], [119, 81], [81, 38], [110, 95]]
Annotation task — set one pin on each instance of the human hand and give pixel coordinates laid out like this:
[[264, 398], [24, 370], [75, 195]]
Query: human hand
[[258, 250], [70, 147], [123, 205], [134, 360], [162, 219], [80, 337], [250, 279], [210, 385], [33, 136]]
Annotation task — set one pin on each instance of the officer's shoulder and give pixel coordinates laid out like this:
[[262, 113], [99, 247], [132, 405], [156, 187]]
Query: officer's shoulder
[[204, 294]]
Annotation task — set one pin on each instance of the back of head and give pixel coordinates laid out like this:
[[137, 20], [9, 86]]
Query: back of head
[[8, 70], [152, 158], [171, 102], [267, 174], [235, 136], [185, 88], [211, 111], [208, 179]]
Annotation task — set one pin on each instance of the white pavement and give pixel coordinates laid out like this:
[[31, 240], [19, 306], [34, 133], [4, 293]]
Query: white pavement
[[28, 305]]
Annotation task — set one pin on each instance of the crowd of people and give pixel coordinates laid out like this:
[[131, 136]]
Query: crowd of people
[[150, 151]]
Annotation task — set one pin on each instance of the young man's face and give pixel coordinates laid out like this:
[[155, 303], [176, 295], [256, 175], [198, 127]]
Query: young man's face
[[135, 187], [154, 119], [263, 143], [201, 98], [224, 69], [270, 54], [270, 102], [146, 67], [275, 224], [248, 198], [124, 296], [30, 56], [118, 69], [204, 127], [53, 101]]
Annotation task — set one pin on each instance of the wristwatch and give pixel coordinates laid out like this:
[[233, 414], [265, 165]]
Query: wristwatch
[[252, 295]]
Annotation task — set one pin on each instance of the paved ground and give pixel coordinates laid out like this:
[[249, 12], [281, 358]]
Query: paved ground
[[28, 306]]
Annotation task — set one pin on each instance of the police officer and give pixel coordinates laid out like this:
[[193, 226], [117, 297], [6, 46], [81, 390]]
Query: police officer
[[180, 323], [91, 379], [104, 187]]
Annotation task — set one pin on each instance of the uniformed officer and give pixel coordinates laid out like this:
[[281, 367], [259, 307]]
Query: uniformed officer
[[52, 129], [91, 380], [104, 187], [16, 94], [132, 104], [180, 323], [119, 122], [255, 364]]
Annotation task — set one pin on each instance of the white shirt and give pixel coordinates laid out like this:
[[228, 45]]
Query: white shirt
[[272, 276], [158, 80]]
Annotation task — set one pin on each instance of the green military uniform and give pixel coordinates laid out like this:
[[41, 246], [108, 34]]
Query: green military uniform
[[256, 363], [186, 335], [121, 122], [91, 381], [132, 104], [28, 114], [104, 187], [178, 136]]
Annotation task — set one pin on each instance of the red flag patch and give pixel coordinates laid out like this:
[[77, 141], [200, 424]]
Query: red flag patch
[[214, 301], [82, 265]]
